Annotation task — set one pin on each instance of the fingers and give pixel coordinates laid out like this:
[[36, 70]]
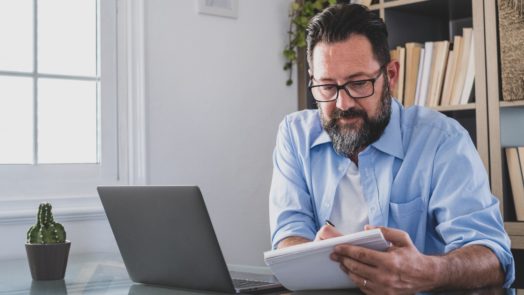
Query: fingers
[[369, 227], [397, 237], [361, 282], [363, 255], [349, 265], [327, 232]]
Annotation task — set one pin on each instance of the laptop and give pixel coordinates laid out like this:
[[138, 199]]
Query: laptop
[[165, 237]]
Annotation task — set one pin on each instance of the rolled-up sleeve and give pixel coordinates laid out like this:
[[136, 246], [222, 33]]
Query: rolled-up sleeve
[[290, 205], [465, 210]]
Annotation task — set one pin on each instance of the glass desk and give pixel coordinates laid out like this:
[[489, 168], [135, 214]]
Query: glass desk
[[104, 273]]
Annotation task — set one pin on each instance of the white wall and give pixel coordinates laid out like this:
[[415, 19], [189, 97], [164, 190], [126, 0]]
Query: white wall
[[216, 93]]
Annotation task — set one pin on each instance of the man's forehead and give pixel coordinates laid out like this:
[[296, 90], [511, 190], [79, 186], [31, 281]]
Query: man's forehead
[[352, 56]]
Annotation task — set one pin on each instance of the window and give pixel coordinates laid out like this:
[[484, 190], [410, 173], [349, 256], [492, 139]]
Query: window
[[58, 104]]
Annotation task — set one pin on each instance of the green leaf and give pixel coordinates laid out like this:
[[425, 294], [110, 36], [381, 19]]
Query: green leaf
[[318, 5], [299, 18]]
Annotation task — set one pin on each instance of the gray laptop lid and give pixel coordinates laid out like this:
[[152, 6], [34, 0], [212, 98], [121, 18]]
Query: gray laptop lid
[[165, 236]]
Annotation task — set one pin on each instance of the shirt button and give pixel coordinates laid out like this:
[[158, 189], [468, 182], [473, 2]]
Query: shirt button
[[326, 205], [372, 208], [340, 168]]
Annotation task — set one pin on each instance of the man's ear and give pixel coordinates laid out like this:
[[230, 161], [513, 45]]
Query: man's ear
[[392, 69]]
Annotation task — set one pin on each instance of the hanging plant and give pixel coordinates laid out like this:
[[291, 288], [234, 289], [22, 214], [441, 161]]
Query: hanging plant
[[300, 13]]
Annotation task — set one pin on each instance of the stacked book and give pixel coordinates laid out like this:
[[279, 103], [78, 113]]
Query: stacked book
[[432, 74], [515, 161]]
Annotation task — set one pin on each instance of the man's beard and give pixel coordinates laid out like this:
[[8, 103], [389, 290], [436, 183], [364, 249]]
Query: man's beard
[[349, 139]]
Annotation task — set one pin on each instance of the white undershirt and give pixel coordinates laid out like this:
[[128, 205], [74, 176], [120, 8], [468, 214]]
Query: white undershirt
[[350, 211]]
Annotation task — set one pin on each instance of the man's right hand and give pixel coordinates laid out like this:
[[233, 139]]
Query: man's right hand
[[291, 241], [327, 232]]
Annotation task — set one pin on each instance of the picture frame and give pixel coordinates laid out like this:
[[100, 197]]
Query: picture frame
[[224, 8]]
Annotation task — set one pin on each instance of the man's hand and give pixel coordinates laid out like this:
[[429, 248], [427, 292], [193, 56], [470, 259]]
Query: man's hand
[[327, 232], [402, 269], [292, 241]]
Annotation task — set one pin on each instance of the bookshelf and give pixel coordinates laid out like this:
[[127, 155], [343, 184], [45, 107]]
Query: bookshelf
[[441, 20], [492, 123], [506, 119], [436, 20]]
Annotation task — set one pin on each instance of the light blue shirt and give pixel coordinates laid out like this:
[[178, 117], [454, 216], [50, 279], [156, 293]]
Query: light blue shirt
[[423, 176]]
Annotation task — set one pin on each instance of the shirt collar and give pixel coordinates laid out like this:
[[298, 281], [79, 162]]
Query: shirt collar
[[390, 141]]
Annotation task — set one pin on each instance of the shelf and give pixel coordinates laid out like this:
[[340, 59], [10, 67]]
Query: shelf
[[514, 228], [517, 242], [450, 10], [397, 3], [510, 104], [460, 107], [516, 233], [376, 6]]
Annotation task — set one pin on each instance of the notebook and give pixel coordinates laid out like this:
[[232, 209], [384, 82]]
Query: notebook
[[308, 266], [165, 237]]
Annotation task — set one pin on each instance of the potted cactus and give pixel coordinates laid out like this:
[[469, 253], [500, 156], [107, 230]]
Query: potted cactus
[[47, 248]]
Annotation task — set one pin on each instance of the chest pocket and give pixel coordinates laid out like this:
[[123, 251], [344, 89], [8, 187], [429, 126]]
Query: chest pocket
[[407, 216]]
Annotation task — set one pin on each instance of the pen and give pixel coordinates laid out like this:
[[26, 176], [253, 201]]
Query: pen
[[330, 223]]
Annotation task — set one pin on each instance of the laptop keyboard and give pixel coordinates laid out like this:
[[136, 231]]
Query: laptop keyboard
[[241, 283]]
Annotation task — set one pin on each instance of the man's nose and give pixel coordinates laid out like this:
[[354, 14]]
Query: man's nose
[[345, 101]]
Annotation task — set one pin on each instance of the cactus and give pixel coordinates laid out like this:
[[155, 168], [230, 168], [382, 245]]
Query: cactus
[[46, 231]]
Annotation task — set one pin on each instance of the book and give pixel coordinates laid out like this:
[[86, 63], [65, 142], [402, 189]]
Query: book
[[462, 66], [470, 74], [516, 180], [401, 72], [308, 266], [451, 70], [444, 99], [362, 2], [419, 76], [424, 83], [413, 51], [438, 67], [510, 39], [520, 213]]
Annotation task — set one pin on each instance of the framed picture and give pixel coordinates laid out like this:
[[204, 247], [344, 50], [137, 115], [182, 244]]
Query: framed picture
[[226, 8]]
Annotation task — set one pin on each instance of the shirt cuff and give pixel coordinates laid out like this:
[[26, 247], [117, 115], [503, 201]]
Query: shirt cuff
[[296, 229]]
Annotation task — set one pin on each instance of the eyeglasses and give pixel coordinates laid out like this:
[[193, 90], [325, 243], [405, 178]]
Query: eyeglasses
[[355, 89]]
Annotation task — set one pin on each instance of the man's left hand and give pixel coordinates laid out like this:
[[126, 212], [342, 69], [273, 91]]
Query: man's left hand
[[402, 269]]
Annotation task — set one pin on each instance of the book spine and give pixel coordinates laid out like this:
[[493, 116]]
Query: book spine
[[516, 180]]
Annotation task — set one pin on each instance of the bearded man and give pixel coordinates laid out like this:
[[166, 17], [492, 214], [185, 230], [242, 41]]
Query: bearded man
[[363, 161]]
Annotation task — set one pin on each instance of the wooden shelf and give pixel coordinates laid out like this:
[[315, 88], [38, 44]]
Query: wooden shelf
[[460, 107], [399, 3], [517, 242], [516, 233], [515, 228], [375, 6], [514, 103]]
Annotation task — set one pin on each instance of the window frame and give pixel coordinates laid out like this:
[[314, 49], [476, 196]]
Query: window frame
[[42, 181]]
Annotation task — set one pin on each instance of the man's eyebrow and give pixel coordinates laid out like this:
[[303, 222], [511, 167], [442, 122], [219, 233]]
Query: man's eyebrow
[[347, 78], [358, 74]]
